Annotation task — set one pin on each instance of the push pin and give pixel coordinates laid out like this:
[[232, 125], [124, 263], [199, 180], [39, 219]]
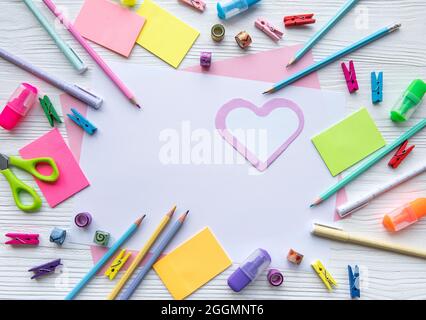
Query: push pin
[[101, 238], [58, 236], [243, 39], [206, 59]]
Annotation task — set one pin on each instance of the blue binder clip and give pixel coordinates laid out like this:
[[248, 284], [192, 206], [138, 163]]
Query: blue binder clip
[[354, 282], [377, 87], [82, 122]]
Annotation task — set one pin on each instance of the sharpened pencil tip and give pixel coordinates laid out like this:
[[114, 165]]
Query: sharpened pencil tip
[[172, 211], [316, 202], [293, 60], [183, 217], [139, 221], [268, 91]]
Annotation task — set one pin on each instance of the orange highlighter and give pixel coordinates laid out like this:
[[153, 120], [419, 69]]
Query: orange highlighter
[[405, 216]]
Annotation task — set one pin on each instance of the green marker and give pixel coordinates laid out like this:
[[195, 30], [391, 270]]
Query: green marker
[[409, 101]]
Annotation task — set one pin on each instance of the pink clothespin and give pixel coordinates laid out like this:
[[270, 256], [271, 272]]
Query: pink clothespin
[[197, 4], [21, 239], [350, 76], [268, 29]]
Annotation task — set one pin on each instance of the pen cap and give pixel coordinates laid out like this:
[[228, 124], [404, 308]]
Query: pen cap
[[18, 105], [405, 216], [254, 265], [409, 101], [229, 8]]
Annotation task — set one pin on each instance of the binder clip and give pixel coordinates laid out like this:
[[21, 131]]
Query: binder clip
[[268, 29], [354, 282], [197, 4], [324, 275], [119, 261], [400, 155], [82, 122], [350, 76], [377, 87], [299, 20], [294, 257], [21, 239], [49, 111], [58, 236], [45, 269]]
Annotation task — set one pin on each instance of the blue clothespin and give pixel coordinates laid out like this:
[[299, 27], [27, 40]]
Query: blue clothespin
[[82, 122], [377, 87], [354, 282]]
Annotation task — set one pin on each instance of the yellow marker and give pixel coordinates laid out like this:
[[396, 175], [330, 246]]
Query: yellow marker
[[324, 275], [129, 3], [119, 261], [114, 293]]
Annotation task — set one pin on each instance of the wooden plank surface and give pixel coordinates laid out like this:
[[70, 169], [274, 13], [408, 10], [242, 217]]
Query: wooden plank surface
[[400, 56]]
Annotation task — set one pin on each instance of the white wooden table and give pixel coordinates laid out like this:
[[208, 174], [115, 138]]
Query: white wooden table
[[400, 56]]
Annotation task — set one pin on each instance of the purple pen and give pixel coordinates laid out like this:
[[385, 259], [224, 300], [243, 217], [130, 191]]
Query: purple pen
[[255, 264]]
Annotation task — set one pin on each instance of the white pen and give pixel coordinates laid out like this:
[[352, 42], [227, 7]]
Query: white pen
[[351, 207]]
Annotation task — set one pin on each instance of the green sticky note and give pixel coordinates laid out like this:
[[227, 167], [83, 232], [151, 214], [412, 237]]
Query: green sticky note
[[348, 141]]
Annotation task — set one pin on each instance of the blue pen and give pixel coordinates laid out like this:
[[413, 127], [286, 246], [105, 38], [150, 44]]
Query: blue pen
[[327, 27], [316, 66], [127, 293], [104, 259]]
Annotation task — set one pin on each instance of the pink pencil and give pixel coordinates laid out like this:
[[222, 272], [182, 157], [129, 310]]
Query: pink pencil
[[101, 63]]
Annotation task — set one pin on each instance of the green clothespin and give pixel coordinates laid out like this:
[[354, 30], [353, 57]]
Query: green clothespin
[[49, 110]]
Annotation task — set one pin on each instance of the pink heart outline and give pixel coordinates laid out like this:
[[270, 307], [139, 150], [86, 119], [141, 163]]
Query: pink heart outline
[[263, 111]]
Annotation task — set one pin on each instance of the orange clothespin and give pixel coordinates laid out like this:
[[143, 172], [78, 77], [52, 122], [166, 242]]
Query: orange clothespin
[[400, 155], [298, 20], [268, 29]]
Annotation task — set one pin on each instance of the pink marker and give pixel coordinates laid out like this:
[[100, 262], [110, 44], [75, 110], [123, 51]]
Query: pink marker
[[18, 105]]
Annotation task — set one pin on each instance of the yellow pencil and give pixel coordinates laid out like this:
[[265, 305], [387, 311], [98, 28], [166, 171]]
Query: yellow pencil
[[114, 293]]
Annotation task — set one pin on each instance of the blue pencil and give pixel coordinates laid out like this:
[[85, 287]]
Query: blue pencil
[[327, 27], [316, 66], [104, 259], [127, 293]]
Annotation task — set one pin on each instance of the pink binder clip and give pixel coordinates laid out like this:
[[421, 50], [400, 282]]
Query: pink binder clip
[[21, 239], [350, 76], [268, 29], [197, 4]]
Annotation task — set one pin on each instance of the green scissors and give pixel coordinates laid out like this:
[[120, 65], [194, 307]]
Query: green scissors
[[17, 186]]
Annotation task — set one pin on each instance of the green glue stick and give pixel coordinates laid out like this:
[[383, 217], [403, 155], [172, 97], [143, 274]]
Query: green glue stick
[[409, 101]]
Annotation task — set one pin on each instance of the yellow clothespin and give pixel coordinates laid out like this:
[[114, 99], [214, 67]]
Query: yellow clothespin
[[117, 264], [324, 275]]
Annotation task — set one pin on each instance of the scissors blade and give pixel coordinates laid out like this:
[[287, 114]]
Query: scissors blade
[[4, 162]]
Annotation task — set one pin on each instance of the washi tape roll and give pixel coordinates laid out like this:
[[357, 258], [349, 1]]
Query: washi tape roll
[[206, 59], [243, 39], [83, 219], [275, 277], [58, 236], [218, 32]]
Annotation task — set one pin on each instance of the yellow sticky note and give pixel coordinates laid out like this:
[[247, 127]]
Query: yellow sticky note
[[165, 35], [349, 141], [192, 264]]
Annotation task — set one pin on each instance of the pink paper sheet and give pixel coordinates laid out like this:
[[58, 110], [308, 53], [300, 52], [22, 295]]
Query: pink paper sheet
[[110, 25], [266, 66], [71, 178]]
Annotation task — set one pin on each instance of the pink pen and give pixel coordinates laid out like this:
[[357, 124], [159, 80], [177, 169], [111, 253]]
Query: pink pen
[[101, 63]]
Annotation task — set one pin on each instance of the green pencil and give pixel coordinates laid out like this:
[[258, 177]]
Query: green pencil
[[369, 163]]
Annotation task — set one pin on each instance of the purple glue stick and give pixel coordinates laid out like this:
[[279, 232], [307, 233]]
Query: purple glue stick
[[255, 264]]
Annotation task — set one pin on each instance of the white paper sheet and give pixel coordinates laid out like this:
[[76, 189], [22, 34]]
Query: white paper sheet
[[246, 210]]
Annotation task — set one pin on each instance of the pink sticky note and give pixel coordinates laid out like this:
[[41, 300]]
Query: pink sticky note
[[109, 25], [71, 178]]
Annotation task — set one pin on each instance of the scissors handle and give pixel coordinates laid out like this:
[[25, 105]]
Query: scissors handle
[[30, 166], [17, 187]]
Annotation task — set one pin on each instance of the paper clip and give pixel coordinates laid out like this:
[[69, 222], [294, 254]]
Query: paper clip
[[268, 29], [119, 261], [49, 111], [350, 76], [400, 155], [197, 4], [377, 87], [22, 239], [324, 275], [82, 122], [45, 268], [298, 20], [354, 286]]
